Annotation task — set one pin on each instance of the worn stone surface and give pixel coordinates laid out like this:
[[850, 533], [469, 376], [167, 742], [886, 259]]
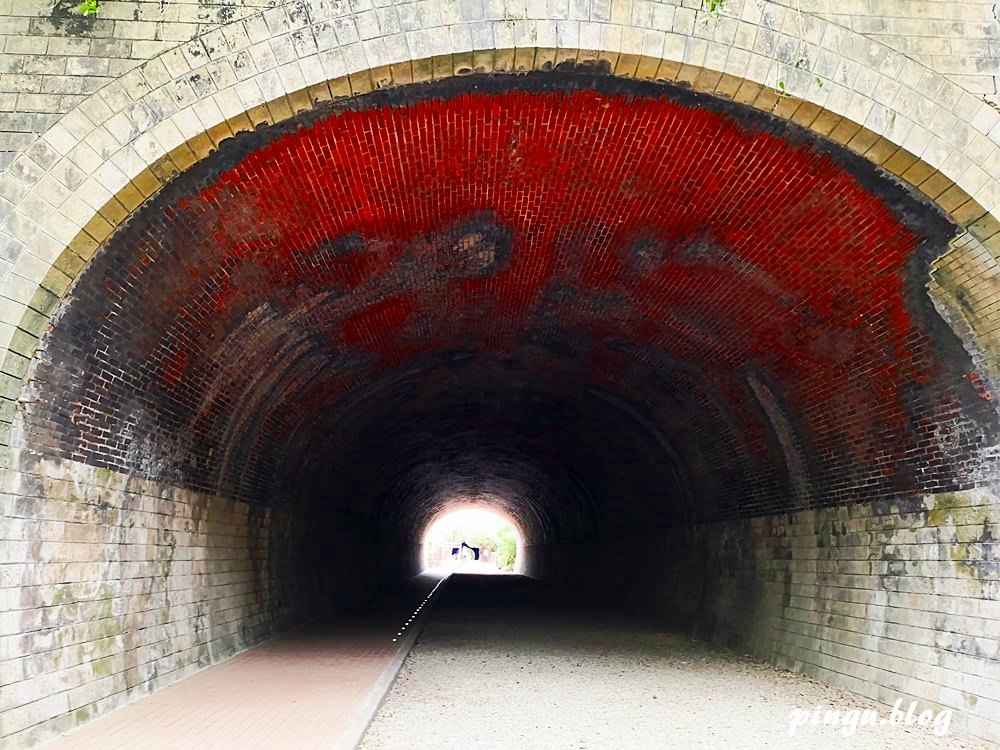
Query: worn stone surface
[[886, 600], [53, 56]]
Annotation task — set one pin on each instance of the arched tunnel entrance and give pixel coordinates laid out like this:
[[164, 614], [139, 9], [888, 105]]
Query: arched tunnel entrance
[[687, 346]]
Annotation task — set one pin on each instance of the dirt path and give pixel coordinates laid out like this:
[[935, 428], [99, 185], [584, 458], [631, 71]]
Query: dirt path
[[500, 667]]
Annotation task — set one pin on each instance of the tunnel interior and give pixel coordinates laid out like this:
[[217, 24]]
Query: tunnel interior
[[631, 317]]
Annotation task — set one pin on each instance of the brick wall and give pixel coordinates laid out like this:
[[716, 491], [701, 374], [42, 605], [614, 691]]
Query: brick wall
[[886, 600], [113, 587]]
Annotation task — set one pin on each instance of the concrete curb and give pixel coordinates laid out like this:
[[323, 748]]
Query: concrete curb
[[354, 732]]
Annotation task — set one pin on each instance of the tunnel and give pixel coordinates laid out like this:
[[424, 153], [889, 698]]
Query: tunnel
[[689, 347]]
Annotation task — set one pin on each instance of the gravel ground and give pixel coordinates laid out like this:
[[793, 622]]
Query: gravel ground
[[501, 667]]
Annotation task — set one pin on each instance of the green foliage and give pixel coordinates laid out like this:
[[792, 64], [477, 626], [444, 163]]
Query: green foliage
[[89, 7], [507, 548], [715, 9], [460, 534], [481, 540]]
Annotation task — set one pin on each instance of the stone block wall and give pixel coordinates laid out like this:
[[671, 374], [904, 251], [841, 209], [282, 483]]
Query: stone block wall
[[54, 57], [886, 601], [113, 587]]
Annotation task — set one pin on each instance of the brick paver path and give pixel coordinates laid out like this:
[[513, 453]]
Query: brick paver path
[[298, 691]]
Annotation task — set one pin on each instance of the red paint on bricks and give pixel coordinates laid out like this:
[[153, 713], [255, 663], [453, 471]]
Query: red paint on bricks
[[630, 219], [376, 326]]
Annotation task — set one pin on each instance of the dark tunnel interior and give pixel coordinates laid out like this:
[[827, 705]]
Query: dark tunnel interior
[[613, 309]]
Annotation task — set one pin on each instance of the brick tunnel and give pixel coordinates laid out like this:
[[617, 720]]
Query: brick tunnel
[[706, 357]]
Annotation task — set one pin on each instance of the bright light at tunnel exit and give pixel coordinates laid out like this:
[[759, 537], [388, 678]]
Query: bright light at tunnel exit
[[472, 539]]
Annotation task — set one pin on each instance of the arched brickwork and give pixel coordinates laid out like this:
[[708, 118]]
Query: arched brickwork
[[643, 398], [887, 107], [343, 246]]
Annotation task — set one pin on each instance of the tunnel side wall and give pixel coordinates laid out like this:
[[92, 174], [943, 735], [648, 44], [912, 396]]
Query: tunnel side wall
[[886, 601], [153, 581]]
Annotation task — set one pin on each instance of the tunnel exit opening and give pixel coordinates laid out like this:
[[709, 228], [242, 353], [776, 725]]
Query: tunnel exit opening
[[472, 539]]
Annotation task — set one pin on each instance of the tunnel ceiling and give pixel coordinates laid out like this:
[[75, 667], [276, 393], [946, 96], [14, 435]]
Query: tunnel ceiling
[[543, 264]]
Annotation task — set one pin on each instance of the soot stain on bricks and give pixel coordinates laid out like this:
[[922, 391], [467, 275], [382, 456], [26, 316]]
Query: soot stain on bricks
[[569, 229]]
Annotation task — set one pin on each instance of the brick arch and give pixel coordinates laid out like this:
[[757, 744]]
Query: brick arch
[[112, 152], [219, 208]]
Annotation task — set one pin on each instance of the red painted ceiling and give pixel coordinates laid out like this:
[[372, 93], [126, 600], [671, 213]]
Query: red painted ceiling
[[658, 249]]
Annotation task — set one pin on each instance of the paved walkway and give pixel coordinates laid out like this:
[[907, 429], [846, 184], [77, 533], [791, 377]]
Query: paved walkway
[[309, 689], [502, 665]]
